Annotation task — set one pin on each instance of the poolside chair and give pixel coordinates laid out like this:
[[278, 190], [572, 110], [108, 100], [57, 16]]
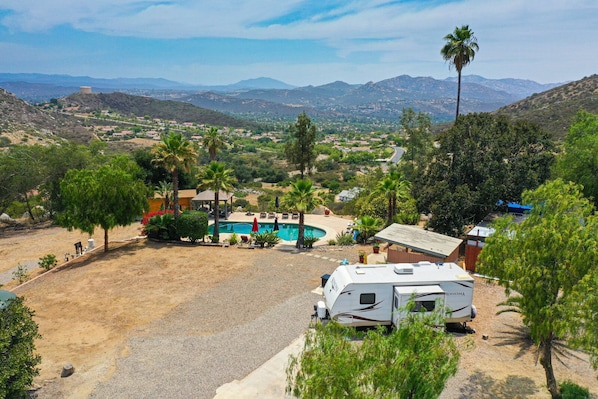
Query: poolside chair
[[271, 215], [295, 215], [262, 214], [285, 215]]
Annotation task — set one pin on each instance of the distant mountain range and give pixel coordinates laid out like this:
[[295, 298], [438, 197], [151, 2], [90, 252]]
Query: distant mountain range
[[269, 98], [553, 109]]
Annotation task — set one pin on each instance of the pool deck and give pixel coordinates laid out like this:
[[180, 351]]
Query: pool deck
[[331, 224]]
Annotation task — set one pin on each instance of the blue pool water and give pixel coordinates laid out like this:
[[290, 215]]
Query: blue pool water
[[287, 231]]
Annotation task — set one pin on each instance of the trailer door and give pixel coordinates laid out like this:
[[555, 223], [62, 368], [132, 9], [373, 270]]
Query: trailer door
[[427, 298]]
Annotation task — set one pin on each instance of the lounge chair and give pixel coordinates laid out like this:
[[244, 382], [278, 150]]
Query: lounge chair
[[271, 215], [285, 215], [262, 214], [295, 215]]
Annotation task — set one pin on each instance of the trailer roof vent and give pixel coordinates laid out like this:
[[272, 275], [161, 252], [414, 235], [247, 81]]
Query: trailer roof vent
[[403, 269]]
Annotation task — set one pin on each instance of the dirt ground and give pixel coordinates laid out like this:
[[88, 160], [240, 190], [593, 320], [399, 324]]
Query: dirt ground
[[145, 280]]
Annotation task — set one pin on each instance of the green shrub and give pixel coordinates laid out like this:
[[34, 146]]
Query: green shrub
[[570, 390], [20, 274], [332, 242], [411, 218], [192, 225], [48, 262], [267, 238], [309, 241], [240, 202], [162, 227], [344, 239], [233, 239]]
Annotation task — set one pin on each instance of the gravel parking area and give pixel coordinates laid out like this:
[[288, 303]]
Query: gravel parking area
[[226, 332]]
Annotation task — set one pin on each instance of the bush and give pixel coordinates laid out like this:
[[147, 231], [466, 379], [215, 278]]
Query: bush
[[48, 262], [162, 227], [570, 390], [193, 225], [240, 202], [344, 239], [20, 274], [233, 239], [268, 238], [18, 360], [308, 241]]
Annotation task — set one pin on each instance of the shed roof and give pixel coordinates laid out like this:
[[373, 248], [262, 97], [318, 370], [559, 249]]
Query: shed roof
[[419, 240]]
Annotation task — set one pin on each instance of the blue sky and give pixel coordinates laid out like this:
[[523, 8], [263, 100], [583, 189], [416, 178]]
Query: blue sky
[[300, 42]]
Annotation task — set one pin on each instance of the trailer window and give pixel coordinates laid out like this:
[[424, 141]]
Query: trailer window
[[424, 306], [367, 299]]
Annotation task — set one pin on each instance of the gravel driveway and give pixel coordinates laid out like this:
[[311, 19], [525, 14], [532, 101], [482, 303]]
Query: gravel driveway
[[226, 332]]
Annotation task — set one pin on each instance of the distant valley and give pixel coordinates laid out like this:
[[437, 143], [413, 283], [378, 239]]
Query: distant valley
[[266, 100]]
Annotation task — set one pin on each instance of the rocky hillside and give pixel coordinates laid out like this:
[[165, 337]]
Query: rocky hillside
[[129, 105], [18, 117], [556, 108]]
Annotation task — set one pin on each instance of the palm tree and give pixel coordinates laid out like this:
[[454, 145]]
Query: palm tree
[[459, 50], [302, 198], [213, 141], [217, 178], [394, 188], [175, 153], [368, 226], [164, 189]]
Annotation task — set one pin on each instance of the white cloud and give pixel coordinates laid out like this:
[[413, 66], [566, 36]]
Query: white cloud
[[539, 39]]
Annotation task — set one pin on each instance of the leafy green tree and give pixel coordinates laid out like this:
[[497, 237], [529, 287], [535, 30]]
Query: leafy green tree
[[548, 266], [18, 361], [414, 361], [480, 160], [213, 141], [58, 161], [22, 171], [217, 177], [176, 154], [393, 187], [105, 197], [300, 147], [417, 140], [302, 198], [579, 162], [368, 226], [459, 50]]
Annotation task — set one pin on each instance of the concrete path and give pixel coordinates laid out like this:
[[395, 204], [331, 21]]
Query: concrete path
[[266, 382]]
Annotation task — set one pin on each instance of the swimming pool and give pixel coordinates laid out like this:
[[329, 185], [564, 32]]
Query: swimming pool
[[287, 231]]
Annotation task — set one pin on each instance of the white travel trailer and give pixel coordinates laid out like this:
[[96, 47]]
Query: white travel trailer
[[369, 295]]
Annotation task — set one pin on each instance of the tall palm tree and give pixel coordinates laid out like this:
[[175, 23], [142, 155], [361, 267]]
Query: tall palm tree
[[175, 153], [301, 198], [217, 178], [213, 141], [394, 188], [459, 50]]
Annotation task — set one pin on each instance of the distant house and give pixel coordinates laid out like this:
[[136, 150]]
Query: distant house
[[476, 237], [185, 196], [348, 195]]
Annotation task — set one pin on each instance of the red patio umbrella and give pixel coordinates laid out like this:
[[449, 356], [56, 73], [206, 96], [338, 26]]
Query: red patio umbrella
[[255, 228]]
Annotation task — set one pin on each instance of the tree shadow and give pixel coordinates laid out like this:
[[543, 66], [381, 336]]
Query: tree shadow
[[519, 336], [482, 386], [516, 336]]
